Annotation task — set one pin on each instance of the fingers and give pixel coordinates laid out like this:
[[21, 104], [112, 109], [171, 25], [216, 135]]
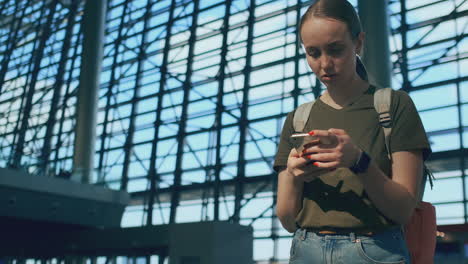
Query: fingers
[[321, 148], [327, 165], [325, 157], [337, 131], [293, 153], [319, 133], [302, 167], [333, 155], [295, 160], [331, 160], [325, 136]]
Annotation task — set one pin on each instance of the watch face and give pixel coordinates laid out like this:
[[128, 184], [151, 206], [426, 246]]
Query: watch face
[[362, 164]]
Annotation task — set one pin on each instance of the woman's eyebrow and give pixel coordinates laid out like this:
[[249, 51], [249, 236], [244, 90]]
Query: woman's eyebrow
[[331, 44], [335, 43]]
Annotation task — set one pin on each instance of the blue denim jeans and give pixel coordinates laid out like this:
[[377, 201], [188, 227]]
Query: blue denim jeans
[[387, 247]]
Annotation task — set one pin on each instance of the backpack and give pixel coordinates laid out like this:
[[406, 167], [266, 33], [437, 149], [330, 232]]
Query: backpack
[[420, 231]]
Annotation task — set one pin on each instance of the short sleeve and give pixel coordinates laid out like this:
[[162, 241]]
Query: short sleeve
[[407, 130], [285, 145]]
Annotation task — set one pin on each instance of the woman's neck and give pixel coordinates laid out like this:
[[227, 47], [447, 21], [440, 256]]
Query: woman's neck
[[342, 95]]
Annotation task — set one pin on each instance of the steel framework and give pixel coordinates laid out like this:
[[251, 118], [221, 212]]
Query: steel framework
[[193, 95]]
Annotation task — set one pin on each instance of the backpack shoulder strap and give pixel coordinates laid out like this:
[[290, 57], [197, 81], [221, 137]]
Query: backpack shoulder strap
[[301, 116], [382, 104]]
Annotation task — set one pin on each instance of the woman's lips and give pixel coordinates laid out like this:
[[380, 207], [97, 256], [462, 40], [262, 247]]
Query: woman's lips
[[328, 77]]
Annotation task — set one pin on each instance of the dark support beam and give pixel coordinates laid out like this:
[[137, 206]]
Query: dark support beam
[[220, 108], [152, 174], [462, 160], [403, 56], [69, 92], [243, 122], [376, 55], [87, 99], [57, 89], [109, 93], [128, 147], [297, 57], [181, 135]]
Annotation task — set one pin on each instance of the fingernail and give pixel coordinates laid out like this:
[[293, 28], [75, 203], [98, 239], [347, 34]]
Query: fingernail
[[309, 156], [316, 164], [311, 133]]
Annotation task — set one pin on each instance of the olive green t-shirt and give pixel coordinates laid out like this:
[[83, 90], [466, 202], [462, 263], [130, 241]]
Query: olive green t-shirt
[[337, 199]]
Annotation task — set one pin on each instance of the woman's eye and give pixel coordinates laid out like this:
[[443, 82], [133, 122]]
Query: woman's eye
[[335, 51], [314, 53]]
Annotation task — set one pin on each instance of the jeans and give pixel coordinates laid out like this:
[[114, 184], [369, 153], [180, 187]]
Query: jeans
[[387, 247]]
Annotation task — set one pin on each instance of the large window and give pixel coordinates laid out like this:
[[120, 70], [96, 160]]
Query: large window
[[193, 96], [40, 60], [430, 56]]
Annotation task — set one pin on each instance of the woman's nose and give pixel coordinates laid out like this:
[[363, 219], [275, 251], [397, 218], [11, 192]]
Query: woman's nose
[[326, 62]]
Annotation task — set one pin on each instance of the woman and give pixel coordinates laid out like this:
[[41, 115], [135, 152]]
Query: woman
[[346, 200]]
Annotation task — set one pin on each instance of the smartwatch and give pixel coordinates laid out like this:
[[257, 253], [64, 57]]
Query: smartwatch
[[362, 163]]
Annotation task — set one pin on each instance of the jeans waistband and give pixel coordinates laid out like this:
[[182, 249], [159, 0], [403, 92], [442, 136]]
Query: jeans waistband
[[345, 233]]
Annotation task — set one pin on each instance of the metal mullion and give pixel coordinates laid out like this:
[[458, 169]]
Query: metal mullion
[[460, 130], [112, 81], [128, 148], [425, 68], [209, 174], [262, 215], [427, 33], [243, 122], [240, 25], [404, 48], [440, 83], [38, 54], [433, 21], [257, 191], [58, 87], [220, 109], [5, 7], [237, 73], [277, 116], [258, 147], [427, 5], [457, 39], [12, 38], [68, 95], [225, 184], [297, 58], [175, 199], [152, 175]]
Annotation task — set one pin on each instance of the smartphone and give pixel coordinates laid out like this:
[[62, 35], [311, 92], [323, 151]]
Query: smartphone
[[300, 139]]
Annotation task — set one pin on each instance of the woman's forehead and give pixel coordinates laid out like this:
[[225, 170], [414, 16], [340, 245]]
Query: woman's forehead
[[317, 31]]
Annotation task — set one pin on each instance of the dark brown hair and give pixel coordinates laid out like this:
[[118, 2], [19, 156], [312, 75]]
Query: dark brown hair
[[340, 10]]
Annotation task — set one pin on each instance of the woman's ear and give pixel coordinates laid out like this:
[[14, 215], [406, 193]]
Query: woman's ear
[[360, 42]]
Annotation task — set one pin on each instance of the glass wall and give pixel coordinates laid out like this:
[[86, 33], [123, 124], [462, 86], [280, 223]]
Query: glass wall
[[193, 96], [430, 56]]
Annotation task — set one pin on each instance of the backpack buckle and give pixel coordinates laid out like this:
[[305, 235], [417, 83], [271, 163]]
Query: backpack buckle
[[385, 119]]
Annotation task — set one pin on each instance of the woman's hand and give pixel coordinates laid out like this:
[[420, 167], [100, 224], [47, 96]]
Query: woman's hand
[[302, 168], [335, 149]]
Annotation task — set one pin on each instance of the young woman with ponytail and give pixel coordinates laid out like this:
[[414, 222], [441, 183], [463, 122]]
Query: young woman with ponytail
[[342, 197]]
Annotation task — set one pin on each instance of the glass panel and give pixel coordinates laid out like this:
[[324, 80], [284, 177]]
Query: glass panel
[[445, 190]]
